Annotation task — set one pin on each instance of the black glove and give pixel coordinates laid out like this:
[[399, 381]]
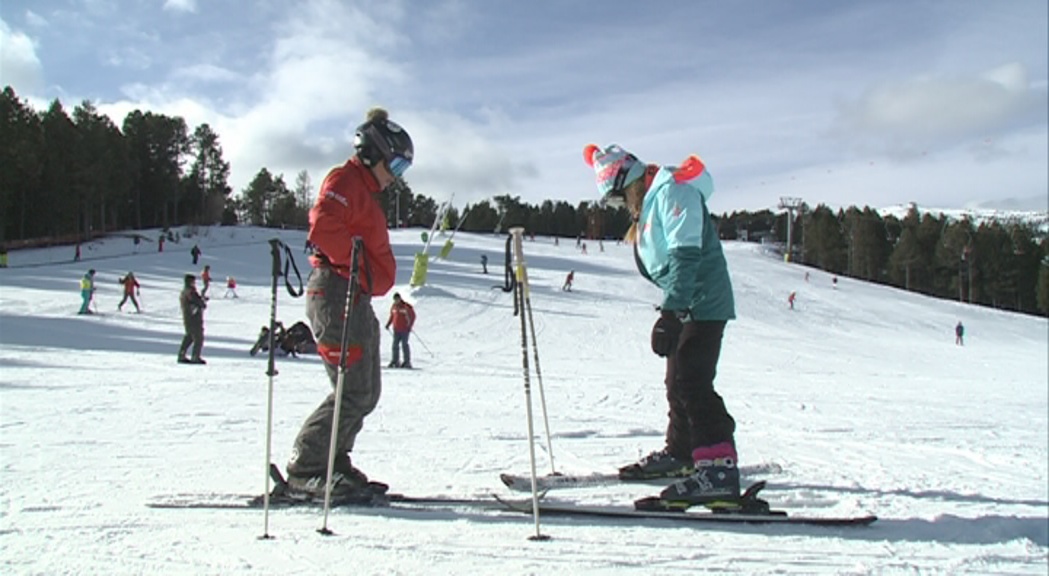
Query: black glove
[[665, 333]]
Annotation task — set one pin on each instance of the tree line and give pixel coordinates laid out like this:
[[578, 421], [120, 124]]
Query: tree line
[[1000, 263], [67, 178]]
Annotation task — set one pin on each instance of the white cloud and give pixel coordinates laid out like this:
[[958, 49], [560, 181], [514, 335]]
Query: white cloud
[[128, 57], [180, 5], [328, 64], [19, 65], [35, 20], [317, 81], [904, 118], [206, 73]]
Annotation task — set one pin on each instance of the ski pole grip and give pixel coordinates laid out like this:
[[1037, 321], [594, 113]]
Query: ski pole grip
[[275, 245]]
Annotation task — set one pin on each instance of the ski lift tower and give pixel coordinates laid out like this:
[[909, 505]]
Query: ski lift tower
[[790, 205]]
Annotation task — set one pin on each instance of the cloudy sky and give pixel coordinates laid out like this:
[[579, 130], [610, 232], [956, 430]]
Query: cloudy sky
[[878, 103]]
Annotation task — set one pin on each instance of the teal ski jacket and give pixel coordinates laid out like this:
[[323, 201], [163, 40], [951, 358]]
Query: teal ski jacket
[[678, 247]]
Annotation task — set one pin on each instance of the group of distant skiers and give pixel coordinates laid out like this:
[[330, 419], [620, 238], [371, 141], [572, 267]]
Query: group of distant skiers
[[191, 303]]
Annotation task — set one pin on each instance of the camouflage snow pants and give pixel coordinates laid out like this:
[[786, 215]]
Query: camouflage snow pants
[[362, 384]]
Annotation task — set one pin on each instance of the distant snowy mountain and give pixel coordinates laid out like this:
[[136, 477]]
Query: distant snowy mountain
[[1036, 219]]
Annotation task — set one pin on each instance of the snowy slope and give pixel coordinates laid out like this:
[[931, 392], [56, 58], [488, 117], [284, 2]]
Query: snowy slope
[[860, 395]]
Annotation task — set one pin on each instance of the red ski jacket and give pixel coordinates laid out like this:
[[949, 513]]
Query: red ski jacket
[[130, 284], [346, 207], [402, 316]]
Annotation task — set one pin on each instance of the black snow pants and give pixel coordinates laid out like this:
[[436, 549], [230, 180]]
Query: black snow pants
[[698, 416]]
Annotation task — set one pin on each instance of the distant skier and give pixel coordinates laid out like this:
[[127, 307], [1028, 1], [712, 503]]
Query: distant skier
[[790, 299], [959, 334], [195, 253], [205, 278], [87, 291], [567, 286], [131, 286], [160, 243], [484, 263], [192, 320], [402, 317], [231, 287], [76, 254], [676, 247]]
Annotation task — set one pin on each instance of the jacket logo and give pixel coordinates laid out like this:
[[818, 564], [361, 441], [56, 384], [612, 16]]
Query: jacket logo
[[331, 195]]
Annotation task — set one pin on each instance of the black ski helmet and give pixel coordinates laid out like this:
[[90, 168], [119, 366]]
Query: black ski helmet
[[380, 139]]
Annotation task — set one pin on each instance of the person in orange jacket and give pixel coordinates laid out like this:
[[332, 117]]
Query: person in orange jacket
[[205, 278], [348, 206], [402, 317], [130, 288]]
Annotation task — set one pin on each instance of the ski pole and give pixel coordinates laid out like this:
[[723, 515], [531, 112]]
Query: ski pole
[[539, 379], [271, 368], [270, 373], [520, 295], [425, 347], [351, 295]]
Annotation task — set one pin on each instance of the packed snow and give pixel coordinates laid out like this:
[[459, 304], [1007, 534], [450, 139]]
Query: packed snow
[[859, 401]]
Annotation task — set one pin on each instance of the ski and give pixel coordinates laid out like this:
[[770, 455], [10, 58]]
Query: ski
[[213, 501], [523, 483], [374, 496], [749, 510], [773, 517]]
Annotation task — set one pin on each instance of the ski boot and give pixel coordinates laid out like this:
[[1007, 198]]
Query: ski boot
[[658, 464], [713, 484]]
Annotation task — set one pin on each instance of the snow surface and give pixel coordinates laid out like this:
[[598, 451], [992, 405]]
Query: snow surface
[[860, 395]]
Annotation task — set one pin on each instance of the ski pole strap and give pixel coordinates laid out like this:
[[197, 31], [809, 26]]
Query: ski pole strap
[[289, 263], [509, 280]]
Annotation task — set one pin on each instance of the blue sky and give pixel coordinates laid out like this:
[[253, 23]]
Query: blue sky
[[943, 103]]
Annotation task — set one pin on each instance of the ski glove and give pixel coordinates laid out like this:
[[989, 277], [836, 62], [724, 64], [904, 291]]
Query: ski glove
[[665, 333]]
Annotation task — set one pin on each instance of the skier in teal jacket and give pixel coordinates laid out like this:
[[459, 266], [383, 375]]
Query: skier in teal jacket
[[676, 247], [87, 292]]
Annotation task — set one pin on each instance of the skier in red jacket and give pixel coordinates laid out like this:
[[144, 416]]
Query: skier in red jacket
[[130, 288], [348, 207], [402, 317]]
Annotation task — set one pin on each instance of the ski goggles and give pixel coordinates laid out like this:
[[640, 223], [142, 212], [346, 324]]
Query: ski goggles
[[616, 196], [399, 165]]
